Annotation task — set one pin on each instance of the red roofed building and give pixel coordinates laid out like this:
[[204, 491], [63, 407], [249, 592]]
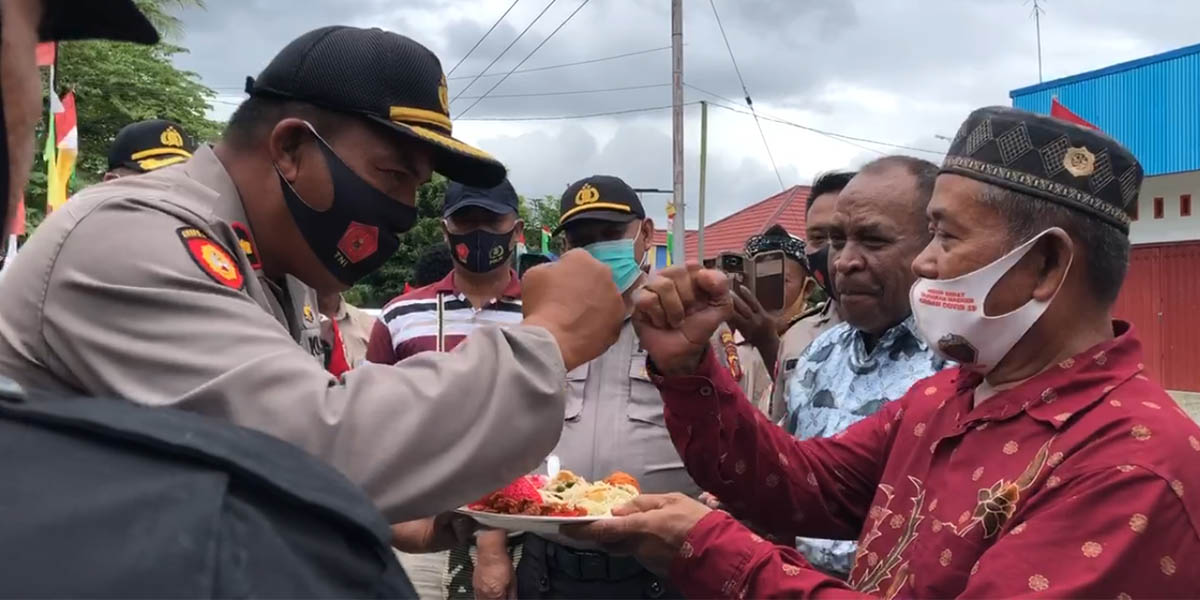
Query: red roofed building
[[730, 233]]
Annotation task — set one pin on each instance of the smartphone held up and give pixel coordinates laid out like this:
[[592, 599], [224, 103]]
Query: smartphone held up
[[763, 275]]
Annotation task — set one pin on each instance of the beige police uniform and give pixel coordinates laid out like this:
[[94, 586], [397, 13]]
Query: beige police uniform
[[755, 378], [792, 344], [614, 422], [128, 291], [354, 325]]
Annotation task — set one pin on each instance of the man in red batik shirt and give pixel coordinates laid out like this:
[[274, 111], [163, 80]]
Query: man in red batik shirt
[[1048, 465]]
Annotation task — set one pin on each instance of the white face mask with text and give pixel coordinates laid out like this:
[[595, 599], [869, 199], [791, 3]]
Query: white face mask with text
[[949, 313]]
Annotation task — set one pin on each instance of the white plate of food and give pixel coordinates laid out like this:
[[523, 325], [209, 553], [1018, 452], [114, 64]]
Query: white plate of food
[[541, 505], [545, 526]]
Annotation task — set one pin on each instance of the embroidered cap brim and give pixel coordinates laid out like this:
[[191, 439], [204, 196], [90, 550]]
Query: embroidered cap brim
[[1048, 158]]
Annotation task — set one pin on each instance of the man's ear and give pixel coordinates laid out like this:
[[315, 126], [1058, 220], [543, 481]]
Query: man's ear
[[518, 229], [1058, 250], [648, 230], [284, 145]]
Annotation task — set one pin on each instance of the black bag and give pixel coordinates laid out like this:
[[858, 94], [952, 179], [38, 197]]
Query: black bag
[[104, 498]]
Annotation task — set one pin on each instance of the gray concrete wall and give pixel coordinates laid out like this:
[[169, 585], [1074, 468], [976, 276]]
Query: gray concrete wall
[[1190, 401]]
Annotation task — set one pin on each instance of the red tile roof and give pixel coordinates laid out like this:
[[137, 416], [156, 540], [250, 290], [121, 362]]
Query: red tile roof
[[785, 208]]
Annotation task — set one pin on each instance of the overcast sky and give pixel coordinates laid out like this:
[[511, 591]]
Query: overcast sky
[[896, 71]]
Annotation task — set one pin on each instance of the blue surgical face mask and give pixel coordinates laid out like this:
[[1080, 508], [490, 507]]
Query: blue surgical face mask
[[619, 256]]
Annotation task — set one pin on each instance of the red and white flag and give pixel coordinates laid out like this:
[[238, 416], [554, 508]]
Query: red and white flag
[[46, 52], [67, 146], [1058, 111]]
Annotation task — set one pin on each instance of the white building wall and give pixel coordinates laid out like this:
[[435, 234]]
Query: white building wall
[[1172, 227]]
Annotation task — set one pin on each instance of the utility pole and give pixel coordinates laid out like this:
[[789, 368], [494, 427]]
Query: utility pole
[[703, 173], [678, 257], [1037, 23]]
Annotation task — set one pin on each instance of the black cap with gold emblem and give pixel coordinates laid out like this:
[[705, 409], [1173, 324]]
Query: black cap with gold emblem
[[601, 198], [1064, 163], [385, 77], [148, 145]]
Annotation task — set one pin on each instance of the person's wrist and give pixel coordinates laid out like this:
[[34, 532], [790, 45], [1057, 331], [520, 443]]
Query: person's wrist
[[680, 366], [569, 358]]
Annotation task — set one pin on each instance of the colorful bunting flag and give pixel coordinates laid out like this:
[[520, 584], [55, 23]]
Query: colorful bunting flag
[[520, 244], [46, 53], [670, 235], [66, 145]]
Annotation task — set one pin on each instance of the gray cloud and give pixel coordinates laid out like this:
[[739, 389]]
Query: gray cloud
[[892, 70], [544, 163]]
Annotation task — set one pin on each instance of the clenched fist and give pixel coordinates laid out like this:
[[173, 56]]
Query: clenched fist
[[576, 300], [677, 312]]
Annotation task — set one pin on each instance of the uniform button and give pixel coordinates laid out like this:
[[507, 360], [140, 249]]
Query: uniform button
[[544, 583], [656, 589], [706, 391]]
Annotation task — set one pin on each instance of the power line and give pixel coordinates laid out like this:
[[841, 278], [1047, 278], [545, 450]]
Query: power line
[[714, 95], [583, 116], [574, 92], [553, 93], [745, 91], [527, 57], [505, 50], [485, 34], [242, 88], [845, 137], [830, 135], [834, 135], [838, 136], [570, 64]]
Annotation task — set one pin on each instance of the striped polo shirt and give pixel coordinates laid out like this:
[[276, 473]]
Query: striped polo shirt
[[436, 318]]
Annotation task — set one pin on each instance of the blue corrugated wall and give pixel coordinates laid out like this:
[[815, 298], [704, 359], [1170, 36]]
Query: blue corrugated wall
[[1152, 105]]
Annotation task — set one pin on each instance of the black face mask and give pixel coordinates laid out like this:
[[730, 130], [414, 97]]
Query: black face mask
[[480, 251], [819, 263], [358, 232]]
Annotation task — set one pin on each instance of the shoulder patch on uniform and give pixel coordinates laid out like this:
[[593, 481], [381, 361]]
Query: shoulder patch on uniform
[[246, 241], [215, 261]]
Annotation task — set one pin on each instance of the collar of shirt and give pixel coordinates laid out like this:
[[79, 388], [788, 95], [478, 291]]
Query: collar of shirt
[[1059, 392], [447, 286], [827, 311], [225, 204], [342, 312], [900, 338], [206, 168], [738, 338]]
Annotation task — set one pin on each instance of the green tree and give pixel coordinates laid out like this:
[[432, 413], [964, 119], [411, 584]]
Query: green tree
[[538, 213], [116, 84], [388, 282]]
